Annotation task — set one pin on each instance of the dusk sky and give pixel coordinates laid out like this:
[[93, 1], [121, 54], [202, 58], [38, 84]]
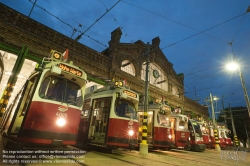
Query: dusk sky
[[194, 34]]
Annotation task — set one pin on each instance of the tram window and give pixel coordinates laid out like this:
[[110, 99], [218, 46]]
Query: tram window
[[74, 94], [125, 109], [183, 125], [197, 130], [62, 90], [203, 129], [44, 88], [163, 120], [86, 108], [222, 134]]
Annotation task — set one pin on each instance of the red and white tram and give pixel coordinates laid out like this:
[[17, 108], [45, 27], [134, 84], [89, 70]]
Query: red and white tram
[[179, 124], [159, 131], [47, 109], [206, 133], [109, 117], [196, 138], [224, 139]]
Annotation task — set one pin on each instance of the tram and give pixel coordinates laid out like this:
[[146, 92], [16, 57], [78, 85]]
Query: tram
[[196, 138], [109, 117], [159, 131], [207, 133], [224, 139], [181, 134], [47, 109]]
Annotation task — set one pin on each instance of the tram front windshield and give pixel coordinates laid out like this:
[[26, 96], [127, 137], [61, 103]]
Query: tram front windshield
[[197, 129], [61, 90], [125, 109], [163, 120]]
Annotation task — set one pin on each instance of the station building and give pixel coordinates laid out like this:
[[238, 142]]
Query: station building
[[120, 61]]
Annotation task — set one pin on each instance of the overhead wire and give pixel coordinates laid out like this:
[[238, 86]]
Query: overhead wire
[[79, 36], [52, 15], [166, 18], [173, 20], [126, 34], [74, 29], [214, 87], [75, 20], [202, 31]]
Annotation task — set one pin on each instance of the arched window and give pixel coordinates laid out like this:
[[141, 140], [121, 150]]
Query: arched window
[[128, 67], [156, 76]]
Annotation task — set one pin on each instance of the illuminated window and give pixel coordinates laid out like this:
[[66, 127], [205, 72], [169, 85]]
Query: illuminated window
[[128, 67]]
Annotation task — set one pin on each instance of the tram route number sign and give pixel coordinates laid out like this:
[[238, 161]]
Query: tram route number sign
[[70, 69]]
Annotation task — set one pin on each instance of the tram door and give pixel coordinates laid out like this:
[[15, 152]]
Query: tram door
[[174, 131], [99, 120], [84, 123], [150, 130], [21, 109]]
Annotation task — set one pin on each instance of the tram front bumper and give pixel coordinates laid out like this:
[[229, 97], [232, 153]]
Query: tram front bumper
[[198, 147]]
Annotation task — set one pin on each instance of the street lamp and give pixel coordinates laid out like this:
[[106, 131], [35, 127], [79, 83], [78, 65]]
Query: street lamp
[[234, 66], [217, 146]]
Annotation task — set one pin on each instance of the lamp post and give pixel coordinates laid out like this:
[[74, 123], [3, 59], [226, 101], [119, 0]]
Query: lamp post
[[236, 142], [234, 66], [217, 146]]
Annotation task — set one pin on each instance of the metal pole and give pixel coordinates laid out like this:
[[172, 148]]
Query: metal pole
[[216, 137], [144, 144], [225, 119], [212, 107], [13, 78], [248, 141], [245, 91], [236, 142]]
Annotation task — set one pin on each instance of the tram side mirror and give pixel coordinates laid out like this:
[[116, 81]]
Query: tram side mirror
[[56, 70]]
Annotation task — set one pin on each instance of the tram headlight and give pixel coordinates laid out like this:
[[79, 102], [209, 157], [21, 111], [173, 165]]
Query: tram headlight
[[189, 138], [209, 140], [169, 136], [131, 132], [60, 122]]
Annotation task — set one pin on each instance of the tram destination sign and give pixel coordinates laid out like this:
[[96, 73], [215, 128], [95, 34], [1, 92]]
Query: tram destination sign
[[166, 108], [131, 94], [70, 69]]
